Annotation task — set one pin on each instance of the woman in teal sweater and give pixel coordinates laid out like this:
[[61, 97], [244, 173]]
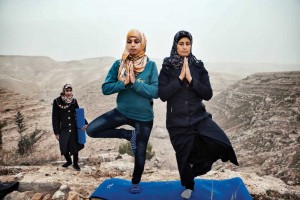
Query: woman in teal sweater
[[135, 79]]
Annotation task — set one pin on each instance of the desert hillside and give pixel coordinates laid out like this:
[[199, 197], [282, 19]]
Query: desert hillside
[[260, 113], [41, 78], [100, 161]]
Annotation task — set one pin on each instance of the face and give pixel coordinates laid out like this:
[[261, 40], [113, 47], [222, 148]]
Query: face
[[68, 92], [133, 45], [184, 47]]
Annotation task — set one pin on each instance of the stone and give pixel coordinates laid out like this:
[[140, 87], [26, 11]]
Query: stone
[[19, 195], [37, 196], [64, 188], [73, 196], [47, 197], [58, 195]]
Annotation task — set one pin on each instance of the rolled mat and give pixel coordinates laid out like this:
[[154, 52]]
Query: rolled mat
[[80, 122], [118, 189]]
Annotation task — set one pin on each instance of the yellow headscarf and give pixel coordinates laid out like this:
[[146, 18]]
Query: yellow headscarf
[[138, 61]]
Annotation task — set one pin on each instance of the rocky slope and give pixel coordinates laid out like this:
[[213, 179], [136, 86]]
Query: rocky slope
[[261, 114], [37, 115]]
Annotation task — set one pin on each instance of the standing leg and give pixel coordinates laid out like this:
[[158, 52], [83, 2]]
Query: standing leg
[[143, 130], [75, 162], [68, 159], [182, 145]]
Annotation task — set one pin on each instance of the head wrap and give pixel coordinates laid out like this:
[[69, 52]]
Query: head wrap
[[138, 61], [66, 100], [66, 86], [175, 60]]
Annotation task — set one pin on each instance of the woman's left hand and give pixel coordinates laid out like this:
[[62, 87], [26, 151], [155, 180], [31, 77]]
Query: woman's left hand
[[132, 77], [188, 75], [84, 127]]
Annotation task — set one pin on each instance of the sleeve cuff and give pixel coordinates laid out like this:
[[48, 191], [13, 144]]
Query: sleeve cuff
[[191, 83]]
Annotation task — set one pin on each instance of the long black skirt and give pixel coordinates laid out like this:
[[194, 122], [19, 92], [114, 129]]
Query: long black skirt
[[199, 147], [68, 142]]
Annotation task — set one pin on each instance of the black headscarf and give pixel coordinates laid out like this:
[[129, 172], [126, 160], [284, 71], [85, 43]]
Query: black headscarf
[[175, 60]]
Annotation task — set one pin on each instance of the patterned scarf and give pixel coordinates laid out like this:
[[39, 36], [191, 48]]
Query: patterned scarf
[[138, 61], [175, 60], [66, 100]]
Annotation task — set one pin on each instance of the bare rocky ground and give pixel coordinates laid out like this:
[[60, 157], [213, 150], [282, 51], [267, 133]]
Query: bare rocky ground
[[60, 183], [260, 114]]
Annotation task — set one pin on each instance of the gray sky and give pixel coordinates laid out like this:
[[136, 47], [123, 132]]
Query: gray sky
[[223, 30]]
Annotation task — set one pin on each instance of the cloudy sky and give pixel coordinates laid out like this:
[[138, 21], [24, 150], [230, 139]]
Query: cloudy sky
[[223, 30]]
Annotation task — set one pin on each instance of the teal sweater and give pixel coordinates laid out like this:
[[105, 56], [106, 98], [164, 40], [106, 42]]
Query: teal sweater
[[135, 100]]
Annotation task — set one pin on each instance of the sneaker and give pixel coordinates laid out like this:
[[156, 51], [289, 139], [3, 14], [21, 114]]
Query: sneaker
[[76, 167], [67, 164], [186, 194], [135, 189], [133, 141]]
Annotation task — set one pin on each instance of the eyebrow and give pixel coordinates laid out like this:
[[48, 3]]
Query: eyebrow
[[136, 40], [184, 42]]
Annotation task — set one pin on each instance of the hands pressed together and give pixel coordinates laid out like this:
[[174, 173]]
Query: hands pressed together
[[185, 71], [130, 78]]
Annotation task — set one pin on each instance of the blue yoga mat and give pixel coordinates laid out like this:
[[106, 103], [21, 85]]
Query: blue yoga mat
[[80, 122], [228, 189]]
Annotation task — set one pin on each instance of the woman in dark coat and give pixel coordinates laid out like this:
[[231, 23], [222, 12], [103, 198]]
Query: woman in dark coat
[[197, 140], [64, 126]]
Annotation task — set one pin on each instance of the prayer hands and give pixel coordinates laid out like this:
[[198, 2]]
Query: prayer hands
[[185, 71], [131, 74], [130, 78]]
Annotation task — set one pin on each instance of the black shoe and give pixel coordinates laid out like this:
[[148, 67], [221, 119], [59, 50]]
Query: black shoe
[[76, 167], [67, 164]]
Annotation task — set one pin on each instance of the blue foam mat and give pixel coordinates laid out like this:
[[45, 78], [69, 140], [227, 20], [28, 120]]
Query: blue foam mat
[[228, 189], [80, 122]]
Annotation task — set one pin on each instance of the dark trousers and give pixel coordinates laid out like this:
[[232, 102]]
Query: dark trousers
[[105, 126], [69, 160], [183, 144]]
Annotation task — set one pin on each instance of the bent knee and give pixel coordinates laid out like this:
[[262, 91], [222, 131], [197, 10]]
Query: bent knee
[[89, 131]]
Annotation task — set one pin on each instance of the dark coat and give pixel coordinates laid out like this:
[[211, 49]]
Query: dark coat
[[64, 124], [195, 137], [184, 101]]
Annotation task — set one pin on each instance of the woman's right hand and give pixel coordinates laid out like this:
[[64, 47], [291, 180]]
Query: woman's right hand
[[128, 74], [182, 73]]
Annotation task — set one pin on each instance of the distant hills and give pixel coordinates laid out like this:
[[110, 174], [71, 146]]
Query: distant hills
[[259, 111], [245, 69], [44, 77]]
